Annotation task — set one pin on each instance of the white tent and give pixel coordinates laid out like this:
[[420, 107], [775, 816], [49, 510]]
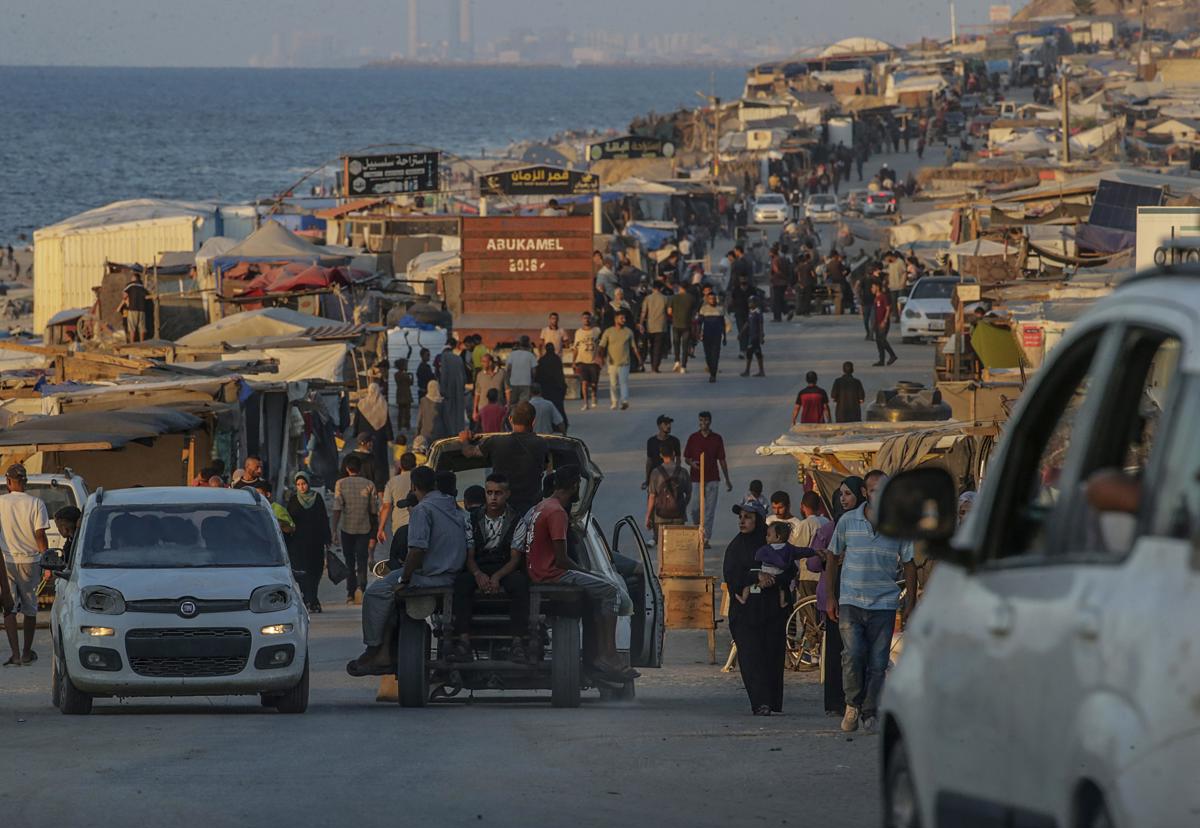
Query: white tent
[[260, 327], [273, 241], [857, 46]]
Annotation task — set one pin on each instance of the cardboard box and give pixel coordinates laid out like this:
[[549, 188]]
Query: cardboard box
[[690, 603], [680, 551]]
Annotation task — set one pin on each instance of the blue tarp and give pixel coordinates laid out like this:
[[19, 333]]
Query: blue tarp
[[650, 238]]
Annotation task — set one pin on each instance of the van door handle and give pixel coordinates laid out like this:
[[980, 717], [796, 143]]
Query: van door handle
[[1087, 624], [1001, 622]]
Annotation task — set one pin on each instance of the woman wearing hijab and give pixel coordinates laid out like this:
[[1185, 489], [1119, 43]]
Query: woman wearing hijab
[[758, 623], [431, 422], [850, 496], [310, 538], [373, 420]]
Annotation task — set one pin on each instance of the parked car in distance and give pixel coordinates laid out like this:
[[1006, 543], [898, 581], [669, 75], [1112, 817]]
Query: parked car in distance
[[770, 208], [178, 591], [56, 491], [927, 310], [880, 203], [822, 207], [1049, 674]]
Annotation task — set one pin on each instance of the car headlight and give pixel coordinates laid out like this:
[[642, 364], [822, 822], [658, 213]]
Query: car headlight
[[271, 598], [102, 600], [909, 313]]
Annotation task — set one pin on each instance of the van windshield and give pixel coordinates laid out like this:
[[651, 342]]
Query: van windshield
[[933, 289], [55, 497], [177, 537]]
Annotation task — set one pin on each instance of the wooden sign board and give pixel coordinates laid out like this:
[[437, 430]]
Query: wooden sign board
[[680, 551], [690, 603], [527, 264]]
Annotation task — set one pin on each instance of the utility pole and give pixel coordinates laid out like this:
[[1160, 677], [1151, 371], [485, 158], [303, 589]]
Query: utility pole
[[953, 26], [1066, 119]]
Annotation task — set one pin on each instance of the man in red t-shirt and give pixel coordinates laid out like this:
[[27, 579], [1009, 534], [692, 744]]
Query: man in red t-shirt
[[812, 403], [491, 416], [543, 533], [705, 449]]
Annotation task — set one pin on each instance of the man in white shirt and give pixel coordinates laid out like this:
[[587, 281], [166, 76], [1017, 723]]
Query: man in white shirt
[[554, 335], [395, 496], [23, 524], [520, 365], [587, 339]]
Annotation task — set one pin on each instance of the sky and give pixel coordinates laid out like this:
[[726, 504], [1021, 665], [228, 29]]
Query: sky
[[231, 32]]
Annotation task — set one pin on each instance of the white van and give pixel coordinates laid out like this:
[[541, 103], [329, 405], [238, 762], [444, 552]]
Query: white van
[[1051, 673]]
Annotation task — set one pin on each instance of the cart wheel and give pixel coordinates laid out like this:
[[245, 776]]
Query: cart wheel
[[412, 662], [804, 636], [564, 662]]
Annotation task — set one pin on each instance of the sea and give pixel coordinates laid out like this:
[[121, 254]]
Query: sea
[[76, 138]]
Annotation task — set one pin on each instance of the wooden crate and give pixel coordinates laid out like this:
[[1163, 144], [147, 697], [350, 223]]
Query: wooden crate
[[680, 551], [691, 605]]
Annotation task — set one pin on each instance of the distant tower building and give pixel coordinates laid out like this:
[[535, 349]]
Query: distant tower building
[[414, 29], [462, 34]]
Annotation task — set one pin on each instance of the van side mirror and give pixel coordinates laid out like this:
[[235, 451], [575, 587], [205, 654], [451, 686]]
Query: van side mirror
[[919, 505]]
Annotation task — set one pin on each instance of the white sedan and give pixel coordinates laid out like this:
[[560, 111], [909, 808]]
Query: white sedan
[[770, 208], [178, 592], [928, 311]]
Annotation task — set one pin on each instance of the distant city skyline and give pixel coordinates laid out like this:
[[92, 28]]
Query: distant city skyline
[[306, 33]]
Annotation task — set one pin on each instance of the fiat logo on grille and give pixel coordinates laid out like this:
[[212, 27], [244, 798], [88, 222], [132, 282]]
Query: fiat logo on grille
[[188, 608]]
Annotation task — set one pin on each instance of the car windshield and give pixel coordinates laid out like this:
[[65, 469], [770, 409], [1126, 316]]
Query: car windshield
[[771, 199], [180, 536], [55, 497], [933, 289], [822, 201]]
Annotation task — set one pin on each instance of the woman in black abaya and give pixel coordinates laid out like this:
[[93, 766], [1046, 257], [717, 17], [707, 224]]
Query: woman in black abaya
[[757, 616]]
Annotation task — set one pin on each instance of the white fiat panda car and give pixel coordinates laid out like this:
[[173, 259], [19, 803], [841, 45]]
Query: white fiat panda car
[[178, 592], [1051, 672]]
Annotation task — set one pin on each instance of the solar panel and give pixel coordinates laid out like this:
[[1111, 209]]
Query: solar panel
[[1116, 204]]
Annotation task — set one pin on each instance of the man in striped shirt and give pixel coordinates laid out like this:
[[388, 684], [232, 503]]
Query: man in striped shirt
[[865, 608]]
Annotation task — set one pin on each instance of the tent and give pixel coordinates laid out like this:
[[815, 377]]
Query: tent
[[275, 243], [257, 326]]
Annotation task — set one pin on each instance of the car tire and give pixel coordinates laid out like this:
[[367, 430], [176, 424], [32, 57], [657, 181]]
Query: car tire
[[412, 661], [71, 701], [564, 662], [295, 700], [900, 808], [910, 340]]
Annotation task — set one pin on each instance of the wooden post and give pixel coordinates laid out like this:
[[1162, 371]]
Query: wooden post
[[191, 460], [483, 207], [597, 216], [155, 304], [704, 539]]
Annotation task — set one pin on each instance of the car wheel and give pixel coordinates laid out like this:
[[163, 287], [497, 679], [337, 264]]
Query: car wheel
[[412, 667], [909, 340], [899, 791], [296, 699], [71, 700], [564, 662]]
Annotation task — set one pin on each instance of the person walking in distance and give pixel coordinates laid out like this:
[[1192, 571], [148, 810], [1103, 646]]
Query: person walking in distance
[[655, 319], [23, 524], [134, 303], [883, 323], [554, 335], [519, 367], [669, 492], [868, 564], [683, 311], [587, 342], [705, 453], [754, 338], [780, 278], [812, 403], [549, 375], [355, 504], [654, 446], [848, 395], [618, 349], [714, 328]]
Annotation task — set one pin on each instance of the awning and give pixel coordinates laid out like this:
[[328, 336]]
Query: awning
[[996, 347], [97, 431]]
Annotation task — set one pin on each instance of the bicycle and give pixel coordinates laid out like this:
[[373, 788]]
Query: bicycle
[[804, 636]]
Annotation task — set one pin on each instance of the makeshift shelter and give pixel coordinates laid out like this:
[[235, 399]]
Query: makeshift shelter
[[151, 446], [260, 327]]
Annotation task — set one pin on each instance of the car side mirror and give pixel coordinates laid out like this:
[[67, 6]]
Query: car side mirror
[[919, 505], [55, 562]]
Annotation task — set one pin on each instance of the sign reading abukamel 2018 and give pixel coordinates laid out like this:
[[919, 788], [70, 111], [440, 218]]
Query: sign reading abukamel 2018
[[394, 173]]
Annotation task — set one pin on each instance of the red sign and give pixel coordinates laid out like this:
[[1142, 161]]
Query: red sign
[[527, 264], [1032, 337]]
